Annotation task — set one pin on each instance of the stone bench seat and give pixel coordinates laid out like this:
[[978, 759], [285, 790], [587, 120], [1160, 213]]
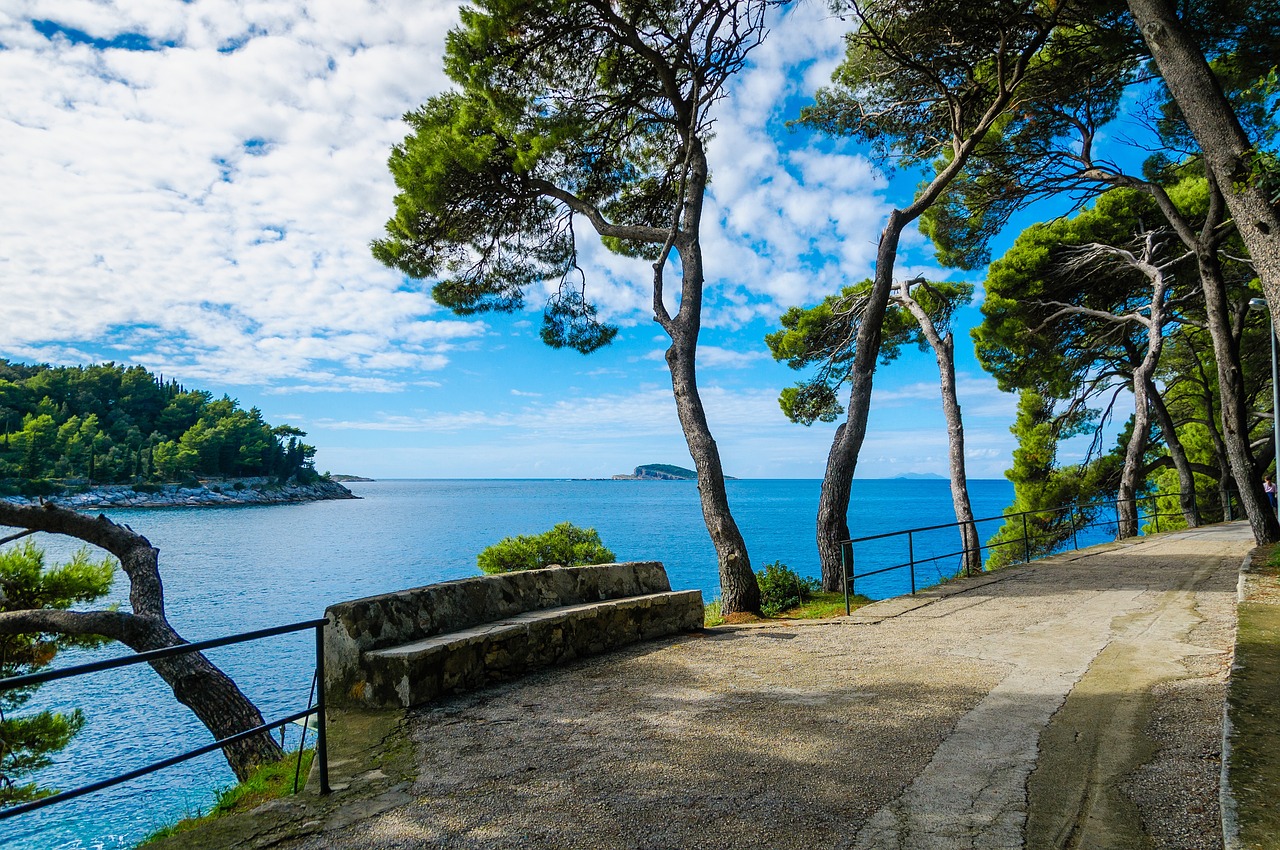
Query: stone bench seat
[[408, 648]]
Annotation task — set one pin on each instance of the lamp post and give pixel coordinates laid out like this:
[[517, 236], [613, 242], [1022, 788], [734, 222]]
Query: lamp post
[[1261, 304]]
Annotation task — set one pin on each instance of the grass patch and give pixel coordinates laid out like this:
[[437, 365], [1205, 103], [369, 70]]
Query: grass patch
[[1255, 715], [269, 782], [1253, 697], [819, 606]]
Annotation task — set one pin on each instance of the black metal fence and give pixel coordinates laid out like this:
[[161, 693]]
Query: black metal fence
[[315, 707], [1068, 524]]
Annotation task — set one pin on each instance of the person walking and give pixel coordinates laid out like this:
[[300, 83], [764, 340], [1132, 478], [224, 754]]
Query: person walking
[[1269, 487]]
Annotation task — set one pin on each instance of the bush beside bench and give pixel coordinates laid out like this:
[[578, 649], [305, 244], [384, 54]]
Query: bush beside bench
[[406, 648]]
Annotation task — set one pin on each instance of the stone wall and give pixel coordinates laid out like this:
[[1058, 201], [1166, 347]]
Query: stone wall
[[410, 646]]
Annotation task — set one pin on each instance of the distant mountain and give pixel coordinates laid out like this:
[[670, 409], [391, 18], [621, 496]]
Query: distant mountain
[[919, 476], [661, 472]]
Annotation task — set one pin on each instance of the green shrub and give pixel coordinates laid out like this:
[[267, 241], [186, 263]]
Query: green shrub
[[565, 544], [782, 588]]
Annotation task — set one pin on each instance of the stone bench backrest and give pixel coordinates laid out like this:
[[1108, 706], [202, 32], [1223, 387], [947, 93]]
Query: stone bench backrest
[[392, 619]]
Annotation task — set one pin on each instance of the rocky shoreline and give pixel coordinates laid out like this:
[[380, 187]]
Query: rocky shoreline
[[251, 491]]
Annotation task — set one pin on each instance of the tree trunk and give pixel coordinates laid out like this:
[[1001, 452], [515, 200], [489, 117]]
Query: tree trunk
[[1226, 355], [1178, 454], [1131, 473], [944, 349], [739, 591], [1231, 390], [1228, 152], [842, 461], [196, 682], [971, 560]]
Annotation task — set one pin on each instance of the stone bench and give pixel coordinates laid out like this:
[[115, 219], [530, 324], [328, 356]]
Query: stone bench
[[407, 648]]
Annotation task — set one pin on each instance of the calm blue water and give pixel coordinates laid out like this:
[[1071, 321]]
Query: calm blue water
[[235, 569]]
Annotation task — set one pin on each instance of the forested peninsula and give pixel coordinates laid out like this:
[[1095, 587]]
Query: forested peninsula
[[114, 435]]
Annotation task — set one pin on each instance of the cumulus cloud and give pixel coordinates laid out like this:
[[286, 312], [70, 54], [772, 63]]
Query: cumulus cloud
[[195, 185]]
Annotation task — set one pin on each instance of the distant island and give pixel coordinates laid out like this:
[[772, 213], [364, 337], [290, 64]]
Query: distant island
[[662, 472], [344, 478], [112, 435], [919, 476]]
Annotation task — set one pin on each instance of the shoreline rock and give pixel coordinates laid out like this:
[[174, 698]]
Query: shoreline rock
[[254, 491]]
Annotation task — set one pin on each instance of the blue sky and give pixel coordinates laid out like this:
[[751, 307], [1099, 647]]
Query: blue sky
[[193, 187]]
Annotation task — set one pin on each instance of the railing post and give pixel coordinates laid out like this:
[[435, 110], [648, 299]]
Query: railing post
[[844, 574], [1026, 545], [1075, 541], [322, 743], [1155, 514], [911, 557]]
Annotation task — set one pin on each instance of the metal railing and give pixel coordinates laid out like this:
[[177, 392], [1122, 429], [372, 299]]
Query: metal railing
[[1028, 539], [322, 754]]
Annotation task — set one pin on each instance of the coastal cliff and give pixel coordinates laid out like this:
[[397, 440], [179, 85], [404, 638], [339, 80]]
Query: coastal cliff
[[222, 493]]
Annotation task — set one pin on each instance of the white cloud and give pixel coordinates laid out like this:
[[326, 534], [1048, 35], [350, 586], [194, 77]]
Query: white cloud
[[209, 212]]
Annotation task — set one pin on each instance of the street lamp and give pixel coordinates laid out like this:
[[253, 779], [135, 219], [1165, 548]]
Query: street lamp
[[1261, 304]]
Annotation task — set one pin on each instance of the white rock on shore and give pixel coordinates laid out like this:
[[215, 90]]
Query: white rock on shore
[[254, 491]]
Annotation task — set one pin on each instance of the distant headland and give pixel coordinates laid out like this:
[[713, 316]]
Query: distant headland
[[662, 472]]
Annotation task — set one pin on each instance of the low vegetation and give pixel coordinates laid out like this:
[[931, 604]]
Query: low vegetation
[[564, 545], [786, 595], [28, 741], [269, 782], [782, 588]]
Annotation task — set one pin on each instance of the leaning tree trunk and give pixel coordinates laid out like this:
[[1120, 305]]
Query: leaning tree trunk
[[196, 682], [1235, 413], [944, 350], [739, 591], [972, 559], [1226, 356], [1131, 473], [842, 460], [1178, 454], [1228, 152]]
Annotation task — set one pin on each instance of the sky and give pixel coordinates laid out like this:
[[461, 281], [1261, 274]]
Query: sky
[[193, 187]]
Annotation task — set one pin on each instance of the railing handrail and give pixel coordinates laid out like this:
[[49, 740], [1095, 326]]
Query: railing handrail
[[153, 655], [184, 649], [848, 571], [1104, 503]]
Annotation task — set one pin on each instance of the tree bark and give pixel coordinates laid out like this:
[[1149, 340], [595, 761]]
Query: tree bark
[[210, 694], [842, 461], [1234, 413], [1131, 472], [1178, 454], [739, 590], [944, 353], [1227, 150], [1226, 355]]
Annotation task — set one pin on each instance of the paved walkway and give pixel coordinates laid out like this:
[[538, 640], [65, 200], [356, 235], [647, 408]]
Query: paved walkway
[[1075, 702]]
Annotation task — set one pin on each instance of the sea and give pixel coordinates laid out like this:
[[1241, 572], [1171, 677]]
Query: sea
[[231, 570]]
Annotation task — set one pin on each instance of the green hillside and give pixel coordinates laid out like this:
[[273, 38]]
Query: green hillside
[[116, 424]]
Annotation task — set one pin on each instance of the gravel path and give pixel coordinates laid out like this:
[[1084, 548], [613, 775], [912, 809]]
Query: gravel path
[[1076, 702]]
